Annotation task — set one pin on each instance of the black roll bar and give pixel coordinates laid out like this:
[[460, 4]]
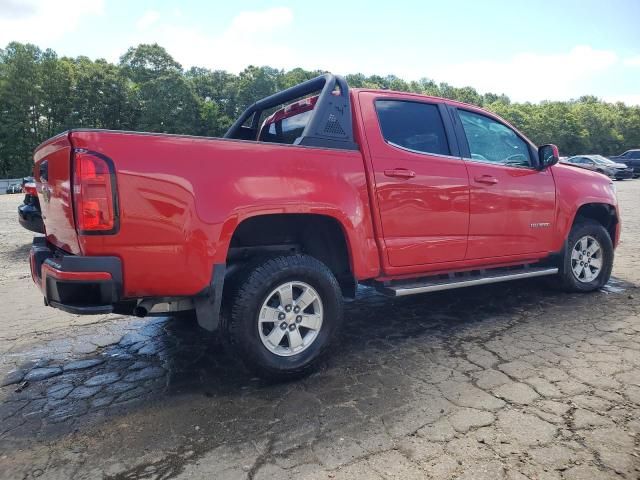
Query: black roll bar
[[330, 125]]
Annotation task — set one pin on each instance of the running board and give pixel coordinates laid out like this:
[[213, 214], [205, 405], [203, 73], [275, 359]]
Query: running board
[[467, 279]]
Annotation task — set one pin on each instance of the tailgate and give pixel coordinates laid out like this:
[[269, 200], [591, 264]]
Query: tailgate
[[52, 172]]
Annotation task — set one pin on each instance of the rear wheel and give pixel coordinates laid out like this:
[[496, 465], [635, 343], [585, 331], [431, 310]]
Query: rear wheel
[[284, 314], [589, 258]]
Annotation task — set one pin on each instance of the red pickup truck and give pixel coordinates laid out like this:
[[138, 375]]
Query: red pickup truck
[[263, 232]]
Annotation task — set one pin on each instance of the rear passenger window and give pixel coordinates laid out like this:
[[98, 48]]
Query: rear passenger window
[[286, 130], [412, 125]]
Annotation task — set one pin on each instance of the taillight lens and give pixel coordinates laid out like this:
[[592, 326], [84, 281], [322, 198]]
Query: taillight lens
[[93, 194], [30, 189]]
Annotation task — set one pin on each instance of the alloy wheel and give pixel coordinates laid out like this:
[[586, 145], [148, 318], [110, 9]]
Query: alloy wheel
[[290, 318], [586, 259]]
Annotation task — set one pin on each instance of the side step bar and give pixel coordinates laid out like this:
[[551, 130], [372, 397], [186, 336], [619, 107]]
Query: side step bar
[[435, 284]]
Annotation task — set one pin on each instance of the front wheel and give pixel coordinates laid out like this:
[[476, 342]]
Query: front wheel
[[589, 258], [284, 315]]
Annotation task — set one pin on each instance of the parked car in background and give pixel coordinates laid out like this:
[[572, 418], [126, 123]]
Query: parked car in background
[[14, 188], [29, 214], [631, 158], [600, 164]]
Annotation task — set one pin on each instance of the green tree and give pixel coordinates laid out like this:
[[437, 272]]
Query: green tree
[[42, 94], [254, 83], [57, 81], [146, 62], [217, 98], [102, 96], [21, 106], [168, 104]]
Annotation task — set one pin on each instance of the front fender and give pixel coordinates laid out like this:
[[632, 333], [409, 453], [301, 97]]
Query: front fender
[[577, 188]]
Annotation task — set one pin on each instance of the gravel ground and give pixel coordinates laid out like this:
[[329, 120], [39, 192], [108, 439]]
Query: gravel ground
[[506, 381]]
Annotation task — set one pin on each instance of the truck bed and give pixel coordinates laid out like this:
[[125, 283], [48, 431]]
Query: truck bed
[[180, 198]]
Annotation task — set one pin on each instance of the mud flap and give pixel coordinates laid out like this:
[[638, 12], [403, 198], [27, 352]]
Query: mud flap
[[208, 303]]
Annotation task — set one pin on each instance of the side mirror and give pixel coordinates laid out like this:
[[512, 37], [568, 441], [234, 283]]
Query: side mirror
[[548, 155]]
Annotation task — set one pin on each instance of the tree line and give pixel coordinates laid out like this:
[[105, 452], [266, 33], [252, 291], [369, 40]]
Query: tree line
[[42, 94]]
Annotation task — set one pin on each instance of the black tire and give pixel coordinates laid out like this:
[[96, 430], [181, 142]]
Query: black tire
[[566, 280], [252, 286]]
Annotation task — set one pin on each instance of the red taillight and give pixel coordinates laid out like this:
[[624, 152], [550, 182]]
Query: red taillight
[[93, 194], [30, 189]]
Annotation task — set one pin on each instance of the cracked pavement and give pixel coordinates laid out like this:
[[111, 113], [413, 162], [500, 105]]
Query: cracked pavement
[[510, 381]]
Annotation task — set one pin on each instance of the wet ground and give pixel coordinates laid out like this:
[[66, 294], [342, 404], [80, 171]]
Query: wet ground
[[505, 381]]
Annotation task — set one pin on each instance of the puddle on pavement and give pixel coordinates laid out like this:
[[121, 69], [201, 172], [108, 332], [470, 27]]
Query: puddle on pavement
[[168, 356], [615, 285], [163, 356]]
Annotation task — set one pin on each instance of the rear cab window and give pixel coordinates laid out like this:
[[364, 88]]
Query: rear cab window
[[287, 124], [284, 130], [413, 126]]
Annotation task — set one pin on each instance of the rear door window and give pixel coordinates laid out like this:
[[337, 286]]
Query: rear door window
[[414, 126]]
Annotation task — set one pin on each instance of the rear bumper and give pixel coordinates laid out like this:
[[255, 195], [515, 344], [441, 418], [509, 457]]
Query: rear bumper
[[30, 217], [76, 284]]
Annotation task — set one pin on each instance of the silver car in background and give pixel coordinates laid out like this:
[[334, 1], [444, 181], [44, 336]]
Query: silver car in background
[[598, 163]]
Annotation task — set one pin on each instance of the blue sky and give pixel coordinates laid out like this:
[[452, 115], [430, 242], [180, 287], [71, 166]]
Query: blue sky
[[529, 50]]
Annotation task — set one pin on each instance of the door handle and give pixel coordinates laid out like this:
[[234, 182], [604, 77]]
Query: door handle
[[400, 173], [487, 179]]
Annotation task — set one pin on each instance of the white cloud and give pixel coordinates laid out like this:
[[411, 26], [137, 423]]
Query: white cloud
[[530, 76], [267, 37], [632, 61], [250, 38], [256, 22], [15, 9], [629, 99], [42, 21], [526, 76], [149, 18]]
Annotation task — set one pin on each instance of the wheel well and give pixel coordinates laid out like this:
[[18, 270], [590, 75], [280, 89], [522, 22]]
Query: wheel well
[[319, 236], [601, 213]]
